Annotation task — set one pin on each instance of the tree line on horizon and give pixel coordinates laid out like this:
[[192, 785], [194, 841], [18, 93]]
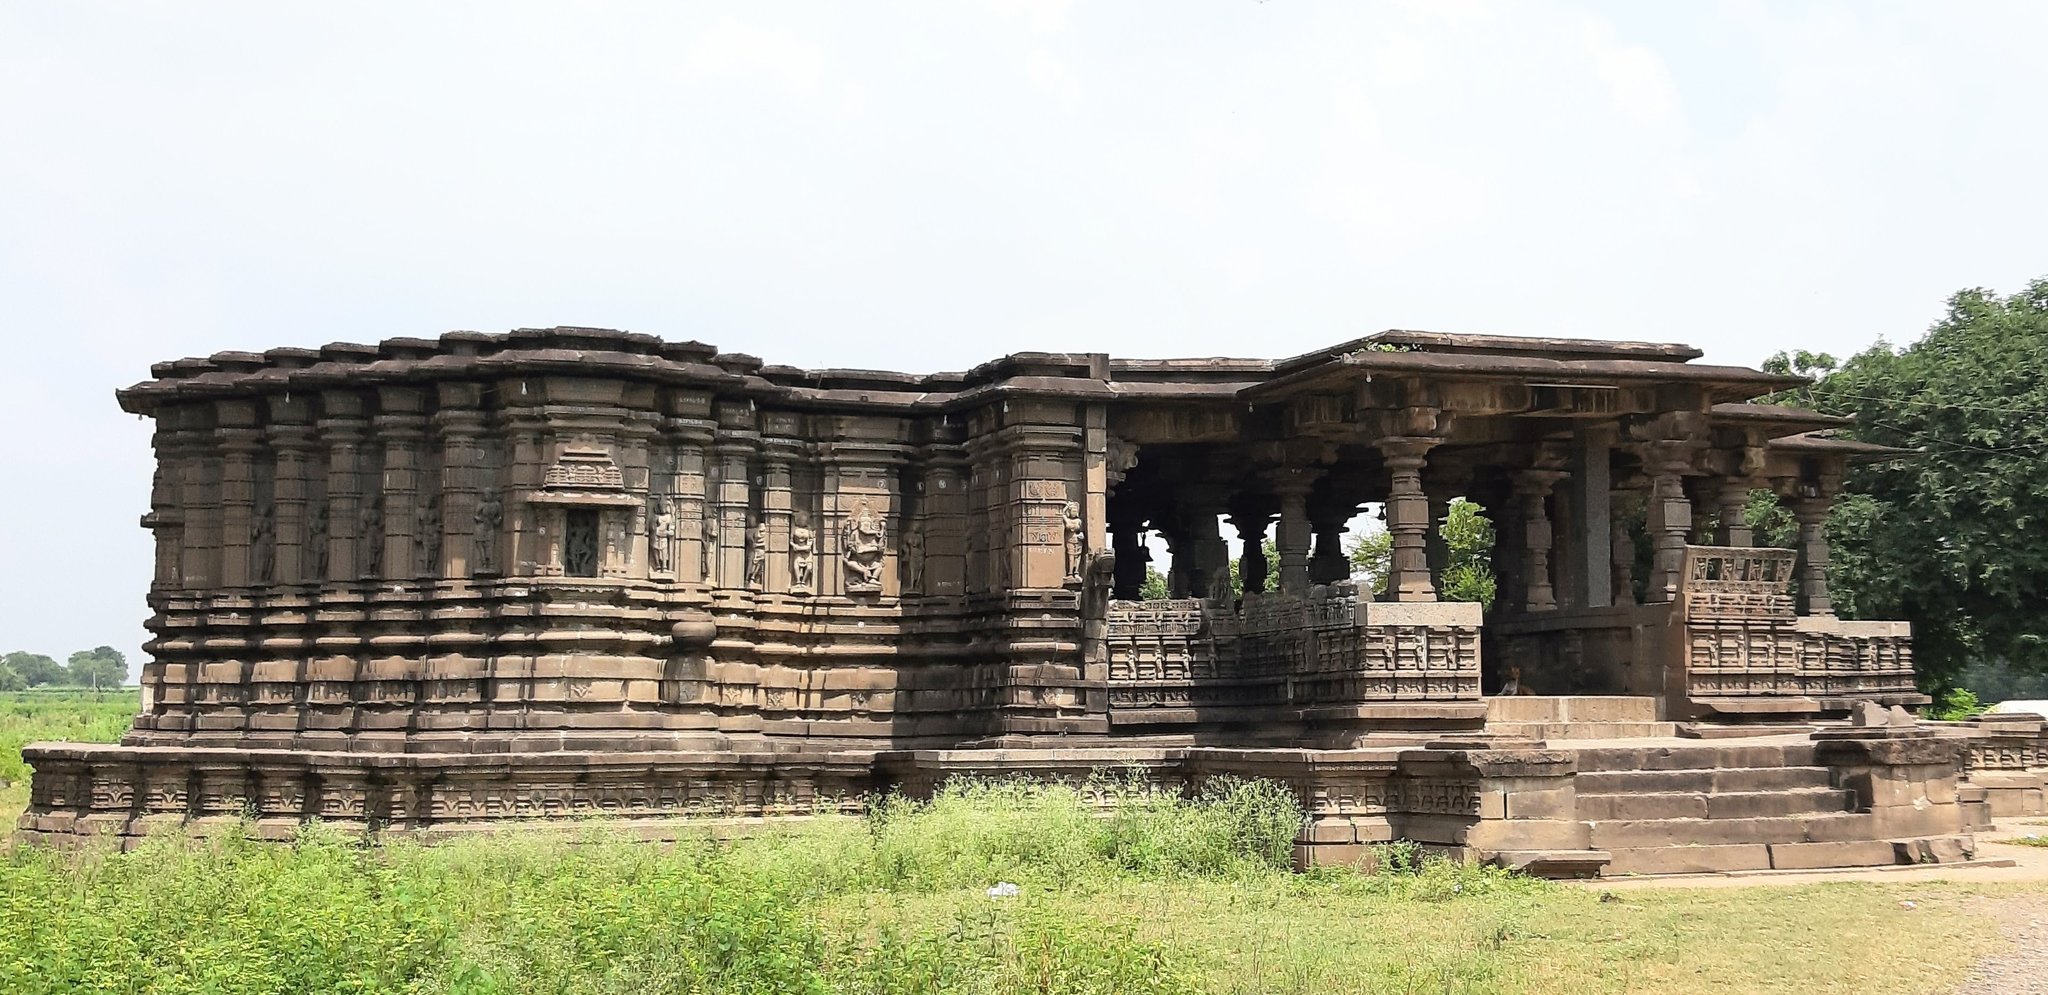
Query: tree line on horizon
[[99, 667]]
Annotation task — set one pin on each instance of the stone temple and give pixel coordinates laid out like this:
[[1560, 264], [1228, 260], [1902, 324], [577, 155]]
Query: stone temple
[[430, 586]]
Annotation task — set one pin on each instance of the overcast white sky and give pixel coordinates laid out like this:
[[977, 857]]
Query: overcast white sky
[[926, 186]]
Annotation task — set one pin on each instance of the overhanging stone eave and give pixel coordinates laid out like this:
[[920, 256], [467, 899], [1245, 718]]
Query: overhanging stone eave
[[1351, 368]]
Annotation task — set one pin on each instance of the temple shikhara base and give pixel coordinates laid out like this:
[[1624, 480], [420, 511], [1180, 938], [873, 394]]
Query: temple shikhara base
[[435, 586]]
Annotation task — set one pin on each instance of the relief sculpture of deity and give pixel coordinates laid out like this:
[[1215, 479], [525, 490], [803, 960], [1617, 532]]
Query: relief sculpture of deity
[[663, 551], [862, 540], [1070, 518], [490, 513], [913, 559], [803, 558], [757, 555]]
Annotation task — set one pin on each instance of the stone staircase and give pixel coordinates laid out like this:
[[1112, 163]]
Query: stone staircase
[[1584, 717], [1705, 807]]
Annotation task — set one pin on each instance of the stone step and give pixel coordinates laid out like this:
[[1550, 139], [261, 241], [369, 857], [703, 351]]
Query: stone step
[[1699, 780], [1628, 834], [1695, 757], [1571, 708], [1729, 805], [1750, 857], [1583, 730], [1688, 859]]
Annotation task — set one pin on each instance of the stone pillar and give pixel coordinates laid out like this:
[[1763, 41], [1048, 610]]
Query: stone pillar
[[341, 428], [1734, 507], [689, 429], [1532, 489], [944, 514], [1329, 564], [1252, 568], [1621, 555], [164, 520], [1202, 537], [1670, 516], [460, 424], [777, 508], [1408, 518], [1811, 510], [239, 441], [1292, 485], [728, 517], [401, 427], [291, 437], [1044, 461], [1592, 518]]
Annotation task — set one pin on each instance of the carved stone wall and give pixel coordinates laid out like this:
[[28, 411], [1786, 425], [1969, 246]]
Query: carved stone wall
[[1741, 636], [1325, 650]]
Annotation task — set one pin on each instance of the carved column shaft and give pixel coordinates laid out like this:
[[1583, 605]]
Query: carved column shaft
[[402, 428], [1621, 549], [342, 431], [1292, 485], [291, 437], [1252, 568], [460, 425], [1533, 489], [239, 442], [777, 509], [1734, 512], [1812, 514], [1408, 518], [1670, 516]]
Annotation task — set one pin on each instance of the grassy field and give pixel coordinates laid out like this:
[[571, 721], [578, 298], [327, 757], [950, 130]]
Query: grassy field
[[1163, 896], [77, 716]]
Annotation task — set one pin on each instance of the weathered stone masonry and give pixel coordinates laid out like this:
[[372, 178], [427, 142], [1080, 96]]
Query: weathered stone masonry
[[432, 584]]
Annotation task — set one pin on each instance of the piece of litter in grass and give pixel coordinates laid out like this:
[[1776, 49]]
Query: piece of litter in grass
[[1004, 889], [1909, 905]]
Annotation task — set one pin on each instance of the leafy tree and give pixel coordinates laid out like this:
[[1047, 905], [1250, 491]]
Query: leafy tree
[[1154, 587], [1950, 538], [99, 667], [34, 669], [10, 679]]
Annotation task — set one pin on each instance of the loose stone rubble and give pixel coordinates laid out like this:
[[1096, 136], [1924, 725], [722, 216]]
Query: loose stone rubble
[[431, 586]]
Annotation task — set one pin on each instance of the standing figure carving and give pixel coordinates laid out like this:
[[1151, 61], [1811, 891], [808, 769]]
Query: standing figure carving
[[862, 538], [913, 559], [370, 529], [490, 513], [426, 537], [1070, 520], [316, 540], [263, 544], [803, 555], [707, 550], [757, 555], [662, 549]]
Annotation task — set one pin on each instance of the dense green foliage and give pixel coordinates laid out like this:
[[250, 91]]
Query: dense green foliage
[[783, 910], [1949, 539], [99, 667]]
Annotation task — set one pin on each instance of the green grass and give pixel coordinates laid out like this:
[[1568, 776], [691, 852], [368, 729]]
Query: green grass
[[72, 715]]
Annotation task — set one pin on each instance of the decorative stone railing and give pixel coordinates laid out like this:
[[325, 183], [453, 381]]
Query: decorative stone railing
[[1741, 638], [1328, 649]]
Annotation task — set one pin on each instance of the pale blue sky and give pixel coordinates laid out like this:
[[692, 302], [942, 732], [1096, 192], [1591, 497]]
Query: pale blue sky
[[925, 186]]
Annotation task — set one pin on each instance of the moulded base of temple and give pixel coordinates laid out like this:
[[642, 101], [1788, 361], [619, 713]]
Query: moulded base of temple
[[1835, 797]]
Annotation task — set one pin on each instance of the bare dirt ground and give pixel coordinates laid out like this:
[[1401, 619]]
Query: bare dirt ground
[[2023, 968]]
